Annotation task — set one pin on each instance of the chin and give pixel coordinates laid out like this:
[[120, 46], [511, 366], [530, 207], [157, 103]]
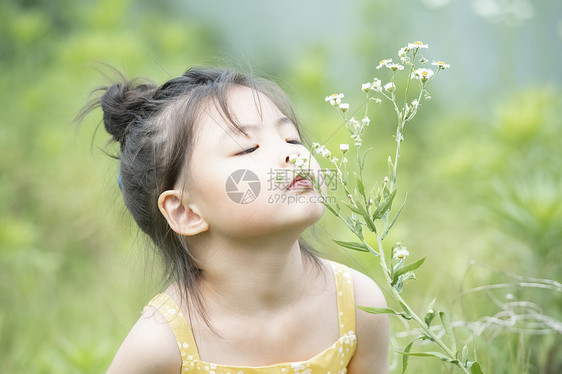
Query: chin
[[296, 220], [307, 214]]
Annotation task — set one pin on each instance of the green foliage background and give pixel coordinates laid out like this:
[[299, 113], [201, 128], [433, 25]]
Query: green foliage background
[[482, 163]]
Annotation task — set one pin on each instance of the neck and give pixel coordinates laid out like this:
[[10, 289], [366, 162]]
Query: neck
[[251, 274]]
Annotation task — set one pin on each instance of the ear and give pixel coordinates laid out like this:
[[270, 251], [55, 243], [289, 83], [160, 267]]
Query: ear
[[182, 217]]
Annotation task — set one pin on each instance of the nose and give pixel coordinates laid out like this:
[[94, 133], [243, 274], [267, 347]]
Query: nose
[[286, 150], [284, 159]]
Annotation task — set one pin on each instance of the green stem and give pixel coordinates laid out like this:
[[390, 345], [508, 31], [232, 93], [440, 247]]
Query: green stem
[[397, 297], [415, 317], [410, 74]]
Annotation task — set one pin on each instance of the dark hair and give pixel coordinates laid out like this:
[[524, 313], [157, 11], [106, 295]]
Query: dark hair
[[154, 127]]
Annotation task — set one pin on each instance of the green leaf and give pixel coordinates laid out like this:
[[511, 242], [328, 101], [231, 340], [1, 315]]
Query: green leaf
[[361, 210], [387, 229], [475, 368], [353, 208], [390, 167], [464, 354], [384, 206], [356, 246], [448, 330], [369, 222], [406, 356], [407, 268], [360, 186], [438, 355], [375, 310]]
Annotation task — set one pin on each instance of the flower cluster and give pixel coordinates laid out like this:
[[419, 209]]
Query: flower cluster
[[298, 159], [375, 85], [371, 207], [335, 101]]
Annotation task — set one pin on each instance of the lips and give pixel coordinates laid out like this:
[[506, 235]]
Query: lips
[[300, 183]]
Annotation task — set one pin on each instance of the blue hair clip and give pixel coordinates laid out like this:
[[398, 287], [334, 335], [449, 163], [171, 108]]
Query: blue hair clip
[[119, 181]]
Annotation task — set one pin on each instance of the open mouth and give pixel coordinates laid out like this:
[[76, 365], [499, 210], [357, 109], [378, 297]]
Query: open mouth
[[300, 182]]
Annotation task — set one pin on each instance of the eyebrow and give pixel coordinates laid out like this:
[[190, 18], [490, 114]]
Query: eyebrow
[[280, 122]]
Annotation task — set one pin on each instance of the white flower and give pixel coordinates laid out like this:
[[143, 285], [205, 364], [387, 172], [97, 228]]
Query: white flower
[[354, 123], [389, 86], [365, 87], [402, 252], [416, 45], [344, 160], [343, 107], [402, 52], [376, 85], [365, 121], [334, 99], [376, 100], [384, 62], [315, 145], [297, 159], [344, 148], [395, 67], [441, 64], [422, 74], [326, 153], [415, 104]]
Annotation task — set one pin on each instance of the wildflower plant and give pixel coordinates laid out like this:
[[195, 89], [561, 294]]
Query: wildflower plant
[[367, 212]]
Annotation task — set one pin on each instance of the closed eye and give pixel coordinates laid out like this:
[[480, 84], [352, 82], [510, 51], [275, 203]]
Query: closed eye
[[294, 142], [247, 151]]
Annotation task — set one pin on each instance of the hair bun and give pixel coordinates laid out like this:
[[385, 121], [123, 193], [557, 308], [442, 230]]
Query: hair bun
[[122, 105]]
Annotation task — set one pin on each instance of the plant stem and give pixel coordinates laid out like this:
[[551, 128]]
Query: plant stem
[[415, 317]]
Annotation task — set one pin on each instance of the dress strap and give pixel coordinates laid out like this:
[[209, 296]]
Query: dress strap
[[345, 298], [176, 319]]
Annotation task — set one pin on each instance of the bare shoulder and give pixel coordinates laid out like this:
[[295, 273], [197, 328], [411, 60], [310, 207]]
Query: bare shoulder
[[367, 292], [150, 347], [372, 330]]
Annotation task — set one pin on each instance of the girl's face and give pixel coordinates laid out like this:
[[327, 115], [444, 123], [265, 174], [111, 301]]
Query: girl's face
[[245, 185]]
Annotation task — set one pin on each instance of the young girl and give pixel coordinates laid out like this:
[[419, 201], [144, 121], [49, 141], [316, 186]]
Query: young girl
[[245, 294]]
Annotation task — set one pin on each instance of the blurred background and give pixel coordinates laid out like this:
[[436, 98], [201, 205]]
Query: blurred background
[[481, 162]]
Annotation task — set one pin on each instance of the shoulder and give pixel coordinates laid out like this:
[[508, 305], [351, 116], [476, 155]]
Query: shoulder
[[372, 330], [366, 290], [150, 347]]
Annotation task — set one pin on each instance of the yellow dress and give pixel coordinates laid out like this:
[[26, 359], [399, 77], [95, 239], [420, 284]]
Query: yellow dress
[[333, 360]]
